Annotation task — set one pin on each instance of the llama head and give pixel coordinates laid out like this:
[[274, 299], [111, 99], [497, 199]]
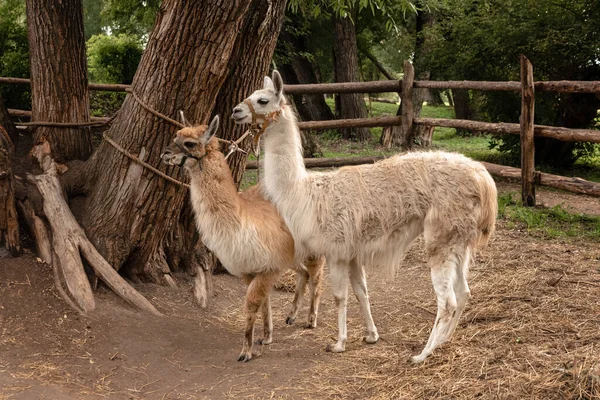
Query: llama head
[[190, 145], [263, 105]]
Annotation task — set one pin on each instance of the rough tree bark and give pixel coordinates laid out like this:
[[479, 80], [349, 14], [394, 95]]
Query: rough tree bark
[[9, 223], [59, 91], [346, 69], [248, 64], [130, 209]]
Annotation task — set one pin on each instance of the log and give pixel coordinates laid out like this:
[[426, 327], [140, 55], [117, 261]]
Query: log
[[527, 145], [576, 185], [26, 114], [350, 123], [70, 243], [513, 86], [9, 222], [564, 134], [330, 162], [510, 86], [390, 86], [38, 230], [346, 87]]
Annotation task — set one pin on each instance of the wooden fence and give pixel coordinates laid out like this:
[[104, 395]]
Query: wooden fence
[[526, 128]]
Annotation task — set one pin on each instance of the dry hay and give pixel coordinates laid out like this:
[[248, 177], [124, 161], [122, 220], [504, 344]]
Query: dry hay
[[287, 282], [531, 330]]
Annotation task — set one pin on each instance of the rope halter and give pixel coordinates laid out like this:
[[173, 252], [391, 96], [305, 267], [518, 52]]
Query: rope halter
[[187, 155], [257, 129]]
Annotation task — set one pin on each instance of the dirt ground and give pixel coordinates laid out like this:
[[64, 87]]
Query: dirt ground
[[531, 330]]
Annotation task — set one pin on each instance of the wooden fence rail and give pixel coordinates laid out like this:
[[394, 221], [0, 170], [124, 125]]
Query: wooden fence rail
[[526, 128], [389, 86]]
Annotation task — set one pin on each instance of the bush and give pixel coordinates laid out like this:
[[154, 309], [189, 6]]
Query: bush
[[14, 53], [113, 59]]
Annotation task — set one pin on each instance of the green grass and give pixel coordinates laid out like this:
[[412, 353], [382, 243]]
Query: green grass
[[443, 138], [545, 222]]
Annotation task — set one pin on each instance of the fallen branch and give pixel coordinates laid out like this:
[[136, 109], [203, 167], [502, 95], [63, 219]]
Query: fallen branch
[[38, 230], [70, 243]]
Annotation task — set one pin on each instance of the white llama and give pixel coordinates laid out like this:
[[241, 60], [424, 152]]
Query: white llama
[[243, 230], [370, 214]]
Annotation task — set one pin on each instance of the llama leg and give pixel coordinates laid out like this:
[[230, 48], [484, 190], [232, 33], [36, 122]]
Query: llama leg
[[339, 284], [359, 285], [258, 290], [301, 278], [315, 272], [443, 278], [461, 288], [267, 322]]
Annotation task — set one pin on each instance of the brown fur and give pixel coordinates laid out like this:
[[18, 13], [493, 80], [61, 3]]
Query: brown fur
[[246, 232]]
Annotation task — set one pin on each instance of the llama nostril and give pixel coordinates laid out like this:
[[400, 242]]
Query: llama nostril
[[237, 110]]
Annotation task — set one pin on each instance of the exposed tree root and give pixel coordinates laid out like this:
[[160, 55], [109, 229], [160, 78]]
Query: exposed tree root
[[38, 230], [61, 291], [70, 243]]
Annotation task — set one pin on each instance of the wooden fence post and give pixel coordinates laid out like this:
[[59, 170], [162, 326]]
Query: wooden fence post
[[406, 97], [527, 144]]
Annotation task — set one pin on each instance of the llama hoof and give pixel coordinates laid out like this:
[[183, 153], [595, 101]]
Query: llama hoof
[[310, 325], [245, 357], [371, 338], [290, 320], [334, 348], [264, 341], [417, 359]]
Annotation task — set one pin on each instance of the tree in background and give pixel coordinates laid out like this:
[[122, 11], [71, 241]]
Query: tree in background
[[332, 32], [346, 69], [483, 41], [59, 84], [295, 60]]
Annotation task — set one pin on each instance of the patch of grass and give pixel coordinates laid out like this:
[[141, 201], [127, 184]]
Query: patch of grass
[[546, 222]]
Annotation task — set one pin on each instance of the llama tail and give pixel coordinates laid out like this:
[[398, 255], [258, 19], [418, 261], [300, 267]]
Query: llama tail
[[489, 208]]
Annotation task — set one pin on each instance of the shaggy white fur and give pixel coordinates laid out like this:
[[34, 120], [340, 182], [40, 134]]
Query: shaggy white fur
[[370, 214]]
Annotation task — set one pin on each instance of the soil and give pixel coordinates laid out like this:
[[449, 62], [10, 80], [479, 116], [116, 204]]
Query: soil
[[523, 287]]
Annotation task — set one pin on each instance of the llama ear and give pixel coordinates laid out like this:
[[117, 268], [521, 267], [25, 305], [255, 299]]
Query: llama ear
[[183, 120], [277, 83], [212, 129], [268, 84]]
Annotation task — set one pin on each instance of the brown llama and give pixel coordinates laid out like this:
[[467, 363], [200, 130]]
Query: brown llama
[[243, 230]]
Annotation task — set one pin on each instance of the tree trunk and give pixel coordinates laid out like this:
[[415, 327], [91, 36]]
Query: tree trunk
[[130, 209], [394, 135], [59, 91], [9, 223], [462, 108], [300, 70], [249, 63], [346, 69]]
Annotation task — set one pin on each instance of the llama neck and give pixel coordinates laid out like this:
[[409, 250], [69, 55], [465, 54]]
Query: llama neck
[[214, 196], [284, 162]]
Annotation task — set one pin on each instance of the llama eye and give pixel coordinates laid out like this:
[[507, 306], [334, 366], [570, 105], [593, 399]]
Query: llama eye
[[263, 102], [189, 145]]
